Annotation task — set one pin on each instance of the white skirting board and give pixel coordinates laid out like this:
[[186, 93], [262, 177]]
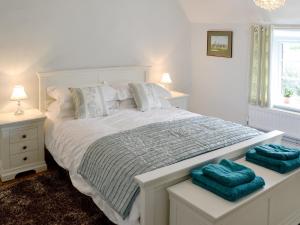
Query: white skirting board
[[268, 119]]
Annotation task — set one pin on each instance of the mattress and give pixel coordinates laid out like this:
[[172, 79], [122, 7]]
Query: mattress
[[68, 139]]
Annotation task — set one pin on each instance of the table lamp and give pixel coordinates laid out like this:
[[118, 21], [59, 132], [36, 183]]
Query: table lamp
[[166, 80], [18, 95]]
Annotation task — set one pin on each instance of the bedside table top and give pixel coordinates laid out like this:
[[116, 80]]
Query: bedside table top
[[11, 118], [176, 94]]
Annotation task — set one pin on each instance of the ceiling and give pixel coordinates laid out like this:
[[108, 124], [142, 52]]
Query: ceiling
[[239, 11]]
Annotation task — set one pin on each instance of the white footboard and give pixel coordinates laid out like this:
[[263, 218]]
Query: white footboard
[[154, 197]]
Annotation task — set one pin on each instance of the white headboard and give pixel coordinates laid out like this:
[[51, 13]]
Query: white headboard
[[83, 77]]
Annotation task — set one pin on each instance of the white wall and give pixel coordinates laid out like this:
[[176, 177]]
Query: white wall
[[238, 11], [54, 34], [221, 11], [220, 85]]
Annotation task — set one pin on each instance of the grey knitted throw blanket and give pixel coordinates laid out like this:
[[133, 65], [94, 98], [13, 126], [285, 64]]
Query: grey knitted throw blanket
[[111, 163]]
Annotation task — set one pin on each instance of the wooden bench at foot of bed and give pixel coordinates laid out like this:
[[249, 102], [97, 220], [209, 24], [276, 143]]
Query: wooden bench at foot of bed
[[278, 203]]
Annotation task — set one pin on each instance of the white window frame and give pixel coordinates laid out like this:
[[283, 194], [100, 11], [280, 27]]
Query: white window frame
[[276, 67]]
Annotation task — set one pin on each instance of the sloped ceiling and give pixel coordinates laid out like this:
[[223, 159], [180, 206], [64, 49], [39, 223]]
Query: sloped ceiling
[[239, 11]]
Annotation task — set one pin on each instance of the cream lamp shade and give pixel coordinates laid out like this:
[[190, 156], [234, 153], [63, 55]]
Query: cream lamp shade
[[166, 79], [270, 5], [18, 93]]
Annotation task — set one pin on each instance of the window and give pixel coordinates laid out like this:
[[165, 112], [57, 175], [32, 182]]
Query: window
[[285, 69]]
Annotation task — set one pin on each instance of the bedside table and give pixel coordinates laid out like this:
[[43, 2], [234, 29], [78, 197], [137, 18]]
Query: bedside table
[[179, 100], [22, 143]]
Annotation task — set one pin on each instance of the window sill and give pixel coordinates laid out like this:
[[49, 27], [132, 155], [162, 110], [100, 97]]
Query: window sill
[[287, 107]]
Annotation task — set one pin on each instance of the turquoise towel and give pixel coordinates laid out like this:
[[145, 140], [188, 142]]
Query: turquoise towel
[[229, 193], [228, 173], [277, 152], [281, 166]]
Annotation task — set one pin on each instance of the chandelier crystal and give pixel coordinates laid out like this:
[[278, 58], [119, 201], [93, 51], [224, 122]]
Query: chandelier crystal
[[270, 5]]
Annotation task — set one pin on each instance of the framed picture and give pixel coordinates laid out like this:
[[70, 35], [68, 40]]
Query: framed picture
[[219, 43]]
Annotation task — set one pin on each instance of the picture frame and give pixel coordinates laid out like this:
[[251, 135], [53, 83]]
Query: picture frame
[[219, 43]]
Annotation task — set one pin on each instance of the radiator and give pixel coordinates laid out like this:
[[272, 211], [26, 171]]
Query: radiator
[[268, 119]]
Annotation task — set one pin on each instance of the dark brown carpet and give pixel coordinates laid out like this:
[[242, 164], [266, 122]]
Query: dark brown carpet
[[47, 199]]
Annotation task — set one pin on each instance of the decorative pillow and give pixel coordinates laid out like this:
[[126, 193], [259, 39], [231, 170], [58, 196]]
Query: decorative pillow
[[109, 93], [89, 102], [147, 96], [62, 94]]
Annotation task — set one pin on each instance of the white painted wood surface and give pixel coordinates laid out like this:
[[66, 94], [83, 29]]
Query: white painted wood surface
[[276, 204], [9, 119], [153, 185], [22, 143]]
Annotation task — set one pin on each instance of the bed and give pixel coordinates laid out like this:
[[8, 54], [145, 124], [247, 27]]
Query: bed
[[68, 139]]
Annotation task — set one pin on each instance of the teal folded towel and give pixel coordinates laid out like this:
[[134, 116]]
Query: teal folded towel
[[228, 173], [277, 152], [229, 193], [281, 166]]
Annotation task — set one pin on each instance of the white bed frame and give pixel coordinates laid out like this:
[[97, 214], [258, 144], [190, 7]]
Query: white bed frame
[[84, 77], [154, 198]]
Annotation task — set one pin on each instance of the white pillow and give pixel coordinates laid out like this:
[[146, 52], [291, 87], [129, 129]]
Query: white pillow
[[147, 96], [89, 102], [128, 104], [63, 106], [60, 94], [113, 106], [123, 91], [60, 111]]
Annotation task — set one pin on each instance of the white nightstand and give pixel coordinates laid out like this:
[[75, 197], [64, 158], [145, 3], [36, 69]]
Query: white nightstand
[[22, 143], [179, 100]]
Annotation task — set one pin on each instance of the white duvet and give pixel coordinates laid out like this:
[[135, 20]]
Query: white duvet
[[67, 140]]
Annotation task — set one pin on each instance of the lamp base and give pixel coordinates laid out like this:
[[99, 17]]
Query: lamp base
[[19, 111]]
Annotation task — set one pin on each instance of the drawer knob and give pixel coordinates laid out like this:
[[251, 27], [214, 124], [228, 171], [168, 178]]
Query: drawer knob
[[24, 147], [24, 136], [25, 158]]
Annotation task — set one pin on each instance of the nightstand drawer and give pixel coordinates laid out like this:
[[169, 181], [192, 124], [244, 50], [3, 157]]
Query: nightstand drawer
[[23, 159], [18, 135], [24, 146]]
